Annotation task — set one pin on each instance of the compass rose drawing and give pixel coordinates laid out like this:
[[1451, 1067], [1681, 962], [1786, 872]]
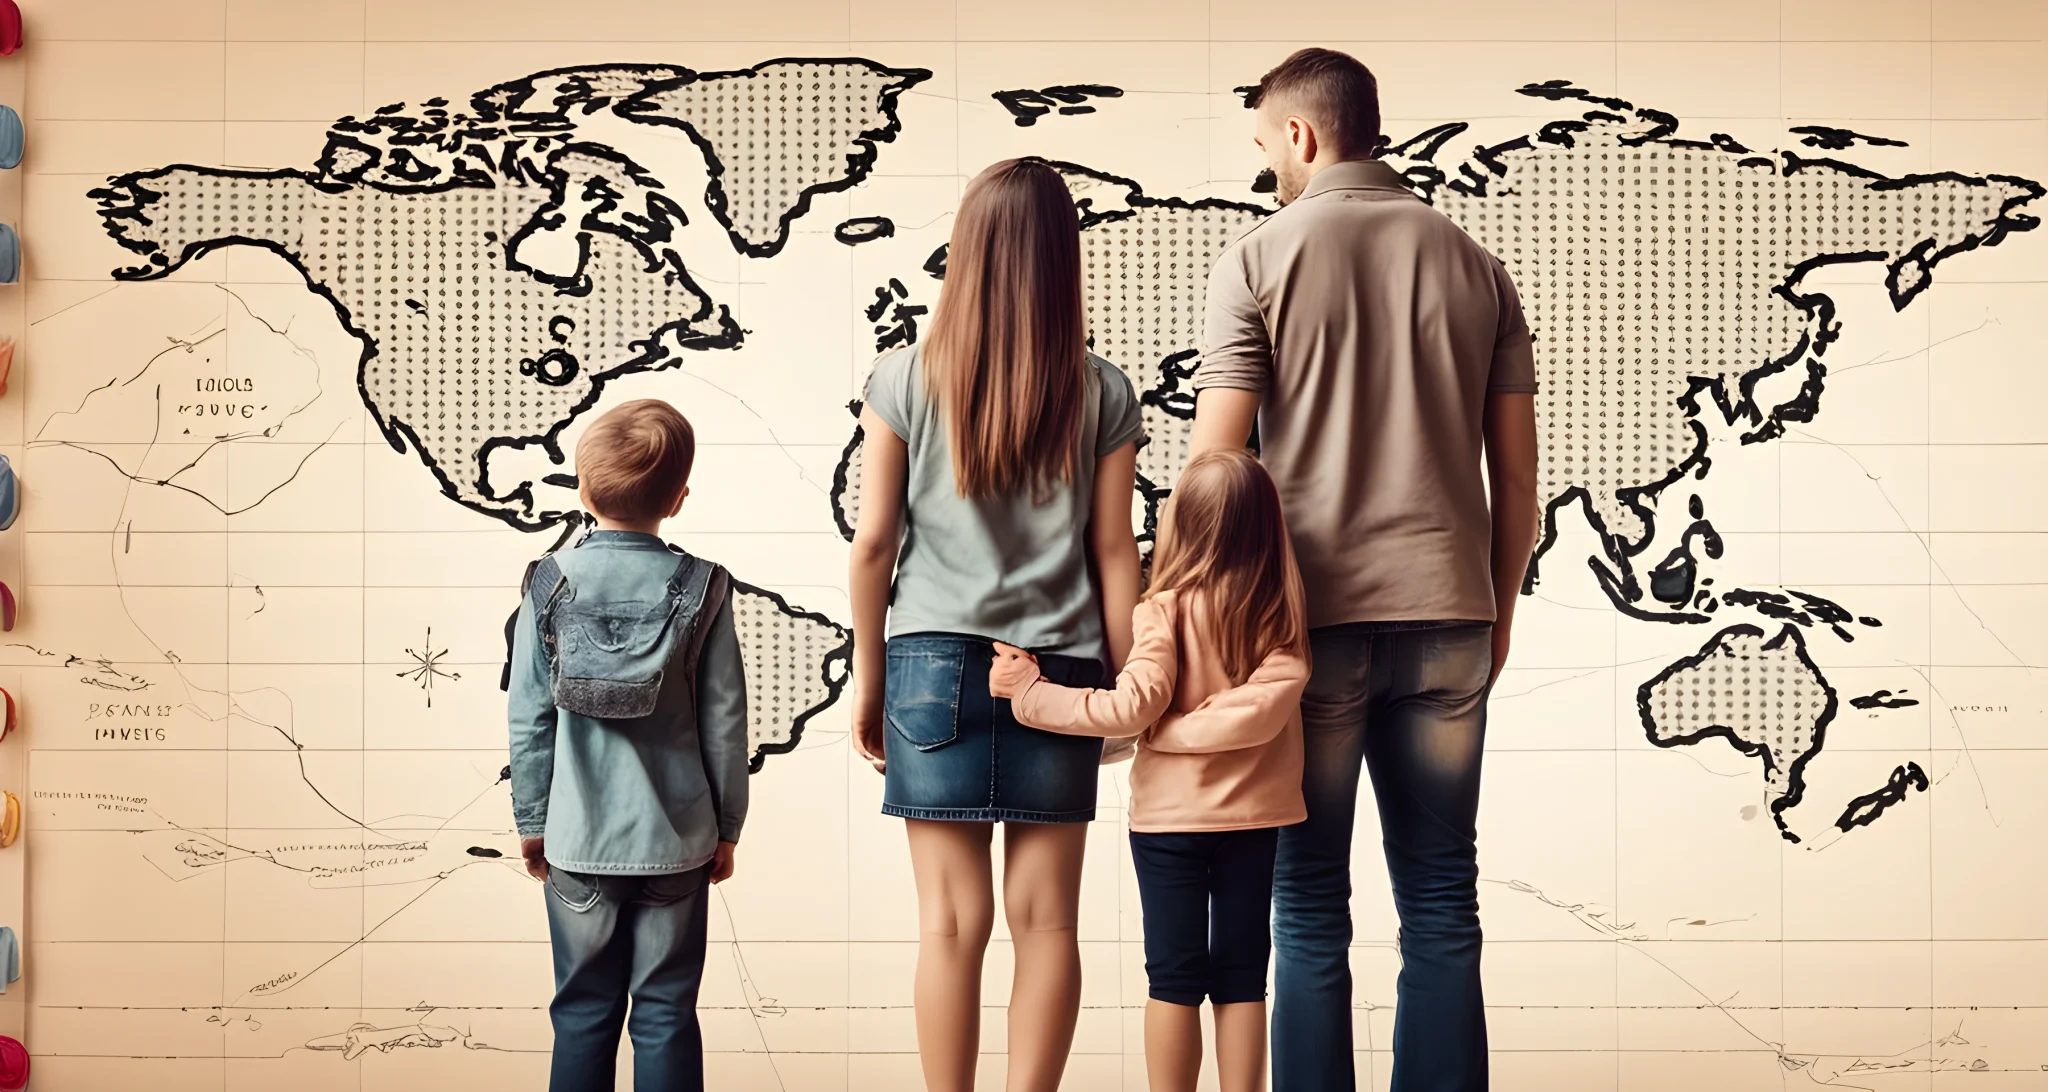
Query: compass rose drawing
[[427, 666]]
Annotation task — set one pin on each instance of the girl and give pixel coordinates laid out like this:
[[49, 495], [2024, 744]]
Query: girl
[[997, 469], [1214, 682]]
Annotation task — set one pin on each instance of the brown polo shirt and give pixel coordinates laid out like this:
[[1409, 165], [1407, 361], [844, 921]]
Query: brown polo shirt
[[1374, 328]]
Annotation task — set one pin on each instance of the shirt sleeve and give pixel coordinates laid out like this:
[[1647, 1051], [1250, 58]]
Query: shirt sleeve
[[1237, 349], [1246, 715], [530, 707], [1143, 688], [1514, 350], [1123, 419], [889, 394], [722, 731]]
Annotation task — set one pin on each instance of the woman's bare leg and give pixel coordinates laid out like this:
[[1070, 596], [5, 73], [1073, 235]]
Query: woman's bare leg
[[1241, 1046], [1042, 903], [955, 912], [1173, 1046]]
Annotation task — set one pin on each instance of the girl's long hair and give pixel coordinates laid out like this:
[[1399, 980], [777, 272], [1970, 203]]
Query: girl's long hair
[[1005, 357], [1223, 537]]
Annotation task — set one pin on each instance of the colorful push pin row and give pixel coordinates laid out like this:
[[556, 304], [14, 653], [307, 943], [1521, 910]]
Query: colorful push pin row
[[11, 140], [10, 507], [10, 272], [11, 143], [14, 1057]]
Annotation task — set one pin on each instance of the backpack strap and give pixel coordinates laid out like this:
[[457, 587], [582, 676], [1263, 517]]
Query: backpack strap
[[543, 579], [545, 573], [717, 585], [512, 626], [687, 571], [543, 590]]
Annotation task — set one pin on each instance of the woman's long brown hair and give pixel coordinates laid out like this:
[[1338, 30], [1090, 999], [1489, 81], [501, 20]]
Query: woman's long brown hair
[[1223, 537], [1005, 354]]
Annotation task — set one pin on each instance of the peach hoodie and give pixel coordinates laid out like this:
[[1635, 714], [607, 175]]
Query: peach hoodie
[[1213, 756]]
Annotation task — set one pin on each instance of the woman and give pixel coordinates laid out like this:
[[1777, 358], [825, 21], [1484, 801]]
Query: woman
[[996, 491]]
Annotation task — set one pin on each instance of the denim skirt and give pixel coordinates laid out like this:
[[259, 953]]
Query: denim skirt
[[954, 752]]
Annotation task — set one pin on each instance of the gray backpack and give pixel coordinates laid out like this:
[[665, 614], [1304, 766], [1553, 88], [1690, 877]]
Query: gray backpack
[[608, 658]]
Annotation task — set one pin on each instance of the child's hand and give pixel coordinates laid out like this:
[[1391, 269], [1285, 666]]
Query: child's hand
[[721, 862], [535, 852], [1013, 672]]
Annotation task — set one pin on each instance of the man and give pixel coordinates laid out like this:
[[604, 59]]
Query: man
[[1381, 352]]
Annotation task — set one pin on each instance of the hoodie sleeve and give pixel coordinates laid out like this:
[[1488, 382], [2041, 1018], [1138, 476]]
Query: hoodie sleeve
[[1246, 715], [1143, 689]]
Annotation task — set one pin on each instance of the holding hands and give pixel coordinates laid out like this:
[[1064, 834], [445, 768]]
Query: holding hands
[[1013, 671]]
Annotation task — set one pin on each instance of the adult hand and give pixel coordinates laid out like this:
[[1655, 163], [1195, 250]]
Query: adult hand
[[535, 852], [1500, 653], [1013, 671], [721, 862], [869, 729]]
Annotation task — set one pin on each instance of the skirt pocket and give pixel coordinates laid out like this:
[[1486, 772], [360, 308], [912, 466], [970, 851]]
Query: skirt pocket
[[922, 696]]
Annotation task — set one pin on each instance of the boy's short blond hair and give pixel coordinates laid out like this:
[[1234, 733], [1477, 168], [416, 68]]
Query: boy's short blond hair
[[633, 462]]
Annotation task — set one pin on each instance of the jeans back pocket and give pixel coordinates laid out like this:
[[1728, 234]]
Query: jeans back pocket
[[921, 696], [674, 887], [577, 891]]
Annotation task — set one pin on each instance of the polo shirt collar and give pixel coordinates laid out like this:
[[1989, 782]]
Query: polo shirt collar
[[1356, 174]]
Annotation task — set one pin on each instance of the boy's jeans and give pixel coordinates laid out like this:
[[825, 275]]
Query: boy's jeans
[[621, 936], [1411, 705]]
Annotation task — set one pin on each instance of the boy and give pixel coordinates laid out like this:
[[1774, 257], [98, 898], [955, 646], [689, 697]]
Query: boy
[[628, 711]]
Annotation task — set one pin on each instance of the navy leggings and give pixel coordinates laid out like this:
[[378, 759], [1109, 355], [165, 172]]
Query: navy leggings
[[1208, 899]]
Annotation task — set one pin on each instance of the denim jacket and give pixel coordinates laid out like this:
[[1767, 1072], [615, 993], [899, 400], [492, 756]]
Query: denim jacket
[[644, 796]]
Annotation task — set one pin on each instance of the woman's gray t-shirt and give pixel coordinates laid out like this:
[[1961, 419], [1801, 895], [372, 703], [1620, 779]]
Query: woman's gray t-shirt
[[1007, 568]]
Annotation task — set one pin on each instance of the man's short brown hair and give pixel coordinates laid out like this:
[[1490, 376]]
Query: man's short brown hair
[[633, 462], [1334, 92]]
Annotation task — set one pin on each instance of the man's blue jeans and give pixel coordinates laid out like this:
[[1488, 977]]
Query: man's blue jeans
[[1410, 706], [617, 937]]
